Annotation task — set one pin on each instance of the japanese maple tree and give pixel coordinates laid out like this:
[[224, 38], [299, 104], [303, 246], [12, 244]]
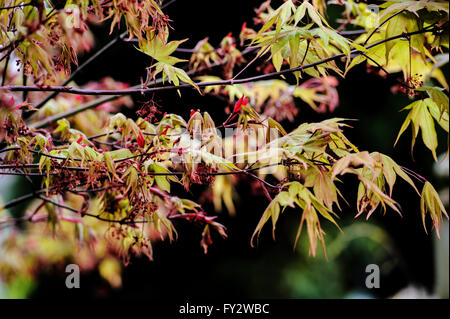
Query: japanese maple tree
[[105, 180]]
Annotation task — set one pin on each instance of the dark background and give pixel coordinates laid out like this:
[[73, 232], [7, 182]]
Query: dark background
[[232, 267]]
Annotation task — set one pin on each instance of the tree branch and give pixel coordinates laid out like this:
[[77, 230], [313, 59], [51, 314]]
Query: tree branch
[[380, 25], [16, 6], [134, 90], [81, 67]]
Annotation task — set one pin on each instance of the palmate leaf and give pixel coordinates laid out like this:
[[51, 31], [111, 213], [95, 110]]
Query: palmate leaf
[[373, 170], [324, 189], [298, 45], [212, 159], [160, 220], [432, 204], [223, 191], [352, 160], [298, 195], [163, 181], [288, 44], [404, 23], [412, 6], [440, 98], [278, 17], [421, 117], [370, 195], [440, 108], [440, 115], [160, 50], [390, 170], [173, 74]]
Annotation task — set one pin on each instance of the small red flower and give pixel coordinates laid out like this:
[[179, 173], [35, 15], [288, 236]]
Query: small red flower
[[80, 139], [192, 112], [141, 140], [229, 35]]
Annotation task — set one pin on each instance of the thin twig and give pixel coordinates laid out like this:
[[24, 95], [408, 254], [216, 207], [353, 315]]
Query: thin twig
[[16, 6], [261, 53], [80, 68], [134, 90], [54, 118], [380, 25]]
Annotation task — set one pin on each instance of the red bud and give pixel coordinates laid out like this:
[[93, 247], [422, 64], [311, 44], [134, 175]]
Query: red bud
[[141, 140], [165, 130], [242, 101]]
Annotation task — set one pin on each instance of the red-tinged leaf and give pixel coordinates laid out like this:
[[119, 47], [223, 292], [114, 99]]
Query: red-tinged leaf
[[165, 130], [141, 140], [80, 139], [206, 239], [431, 204], [242, 101]]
